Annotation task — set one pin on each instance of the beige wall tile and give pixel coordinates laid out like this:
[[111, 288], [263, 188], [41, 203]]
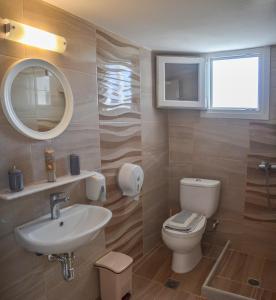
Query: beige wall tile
[[155, 212], [120, 138], [24, 275], [222, 138], [181, 141], [196, 147], [272, 113], [12, 10], [224, 149], [16, 262], [81, 49], [155, 165], [149, 111], [154, 156]]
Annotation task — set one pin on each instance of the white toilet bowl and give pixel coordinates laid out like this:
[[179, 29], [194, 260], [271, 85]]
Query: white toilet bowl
[[186, 247], [198, 197]]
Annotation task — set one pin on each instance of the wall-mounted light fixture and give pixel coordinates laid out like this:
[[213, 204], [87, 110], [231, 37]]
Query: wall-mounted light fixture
[[32, 36]]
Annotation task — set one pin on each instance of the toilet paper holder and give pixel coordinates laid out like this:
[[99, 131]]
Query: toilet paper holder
[[130, 180]]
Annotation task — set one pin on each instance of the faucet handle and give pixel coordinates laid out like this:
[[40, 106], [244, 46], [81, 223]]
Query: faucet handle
[[59, 196], [264, 165]]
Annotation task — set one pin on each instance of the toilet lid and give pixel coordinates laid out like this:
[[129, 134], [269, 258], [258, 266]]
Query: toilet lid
[[185, 222]]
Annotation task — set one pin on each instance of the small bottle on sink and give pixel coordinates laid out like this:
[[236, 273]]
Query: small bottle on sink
[[50, 163]]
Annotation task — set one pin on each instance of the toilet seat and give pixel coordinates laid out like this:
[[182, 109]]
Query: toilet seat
[[178, 233], [186, 246]]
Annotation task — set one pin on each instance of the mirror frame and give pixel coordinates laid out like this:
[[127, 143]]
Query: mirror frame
[[9, 112]]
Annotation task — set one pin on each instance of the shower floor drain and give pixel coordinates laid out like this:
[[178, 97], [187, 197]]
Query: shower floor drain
[[253, 282], [172, 284]]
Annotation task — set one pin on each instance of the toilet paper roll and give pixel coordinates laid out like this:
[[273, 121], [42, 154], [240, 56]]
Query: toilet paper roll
[[130, 180]]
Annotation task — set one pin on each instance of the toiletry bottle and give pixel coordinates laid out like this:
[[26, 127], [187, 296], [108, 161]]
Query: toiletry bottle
[[15, 180], [74, 164], [50, 165]]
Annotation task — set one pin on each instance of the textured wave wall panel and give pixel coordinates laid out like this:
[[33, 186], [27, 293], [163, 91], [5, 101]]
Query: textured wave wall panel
[[118, 75]]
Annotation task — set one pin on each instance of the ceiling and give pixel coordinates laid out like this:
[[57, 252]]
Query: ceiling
[[182, 25]]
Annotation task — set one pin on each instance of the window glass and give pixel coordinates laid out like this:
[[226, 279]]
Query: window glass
[[235, 83], [181, 81]]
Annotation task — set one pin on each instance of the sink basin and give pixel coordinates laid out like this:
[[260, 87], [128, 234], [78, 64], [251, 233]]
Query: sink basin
[[78, 225]]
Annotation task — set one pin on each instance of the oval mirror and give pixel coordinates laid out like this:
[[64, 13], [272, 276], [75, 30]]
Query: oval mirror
[[37, 99]]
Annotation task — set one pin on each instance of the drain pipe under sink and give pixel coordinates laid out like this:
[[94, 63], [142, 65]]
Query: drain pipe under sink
[[66, 261]]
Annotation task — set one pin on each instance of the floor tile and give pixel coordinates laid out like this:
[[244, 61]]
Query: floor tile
[[231, 286], [240, 267], [164, 272], [260, 294], [268, 279], [151, 273], [224, 262], [182, 295], [167, 294], [211, 250], [145, 289], [150, 267], [193, 281], [236, 268], [141, 260]]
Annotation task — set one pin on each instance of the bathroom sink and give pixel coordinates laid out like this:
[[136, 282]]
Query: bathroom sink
[[77, 225]]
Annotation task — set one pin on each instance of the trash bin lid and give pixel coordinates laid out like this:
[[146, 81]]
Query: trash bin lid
[[114, 261]]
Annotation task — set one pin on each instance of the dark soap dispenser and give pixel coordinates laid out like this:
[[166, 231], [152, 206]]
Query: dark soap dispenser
[[74, 164], [16, 182]]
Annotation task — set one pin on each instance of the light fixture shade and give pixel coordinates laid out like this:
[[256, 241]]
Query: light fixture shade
[[34, 37]]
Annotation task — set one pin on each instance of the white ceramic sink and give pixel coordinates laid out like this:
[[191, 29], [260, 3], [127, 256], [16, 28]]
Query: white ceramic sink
[[77, 225]]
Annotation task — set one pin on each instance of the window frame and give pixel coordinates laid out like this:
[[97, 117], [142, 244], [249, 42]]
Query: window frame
[[262, 113], [162, 102]]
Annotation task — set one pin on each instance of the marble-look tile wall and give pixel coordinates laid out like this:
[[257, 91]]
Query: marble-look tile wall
[[168, 144], [131, 130], [135, 136], [118, 69], [154, 156], [261, 185], [222, 149], [24, 275], [259, 211]]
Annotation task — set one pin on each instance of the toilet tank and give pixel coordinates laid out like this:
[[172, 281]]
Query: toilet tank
[[199, 195]]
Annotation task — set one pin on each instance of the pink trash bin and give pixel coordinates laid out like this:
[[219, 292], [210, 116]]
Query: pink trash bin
[[115, 276]]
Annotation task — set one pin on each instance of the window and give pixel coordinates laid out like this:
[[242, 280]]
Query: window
[[180, 82], [238, 84]]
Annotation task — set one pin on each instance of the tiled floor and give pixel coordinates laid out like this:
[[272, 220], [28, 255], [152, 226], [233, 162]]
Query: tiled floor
[[151, 273], [235, 270]]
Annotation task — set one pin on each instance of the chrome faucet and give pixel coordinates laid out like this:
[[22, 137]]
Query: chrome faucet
[[55, 200], [267, 166], [264, 165]]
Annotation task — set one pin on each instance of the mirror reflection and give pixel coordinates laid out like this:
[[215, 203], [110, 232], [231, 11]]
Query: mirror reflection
[[181, 81], [38, 98]]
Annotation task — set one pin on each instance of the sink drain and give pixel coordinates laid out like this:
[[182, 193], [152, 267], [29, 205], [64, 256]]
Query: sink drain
[[253, 282]]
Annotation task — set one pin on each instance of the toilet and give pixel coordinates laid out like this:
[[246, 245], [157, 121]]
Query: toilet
[[182, 232]]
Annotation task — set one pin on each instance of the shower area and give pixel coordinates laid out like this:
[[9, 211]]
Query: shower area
[[260, 202], [247, 269]]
